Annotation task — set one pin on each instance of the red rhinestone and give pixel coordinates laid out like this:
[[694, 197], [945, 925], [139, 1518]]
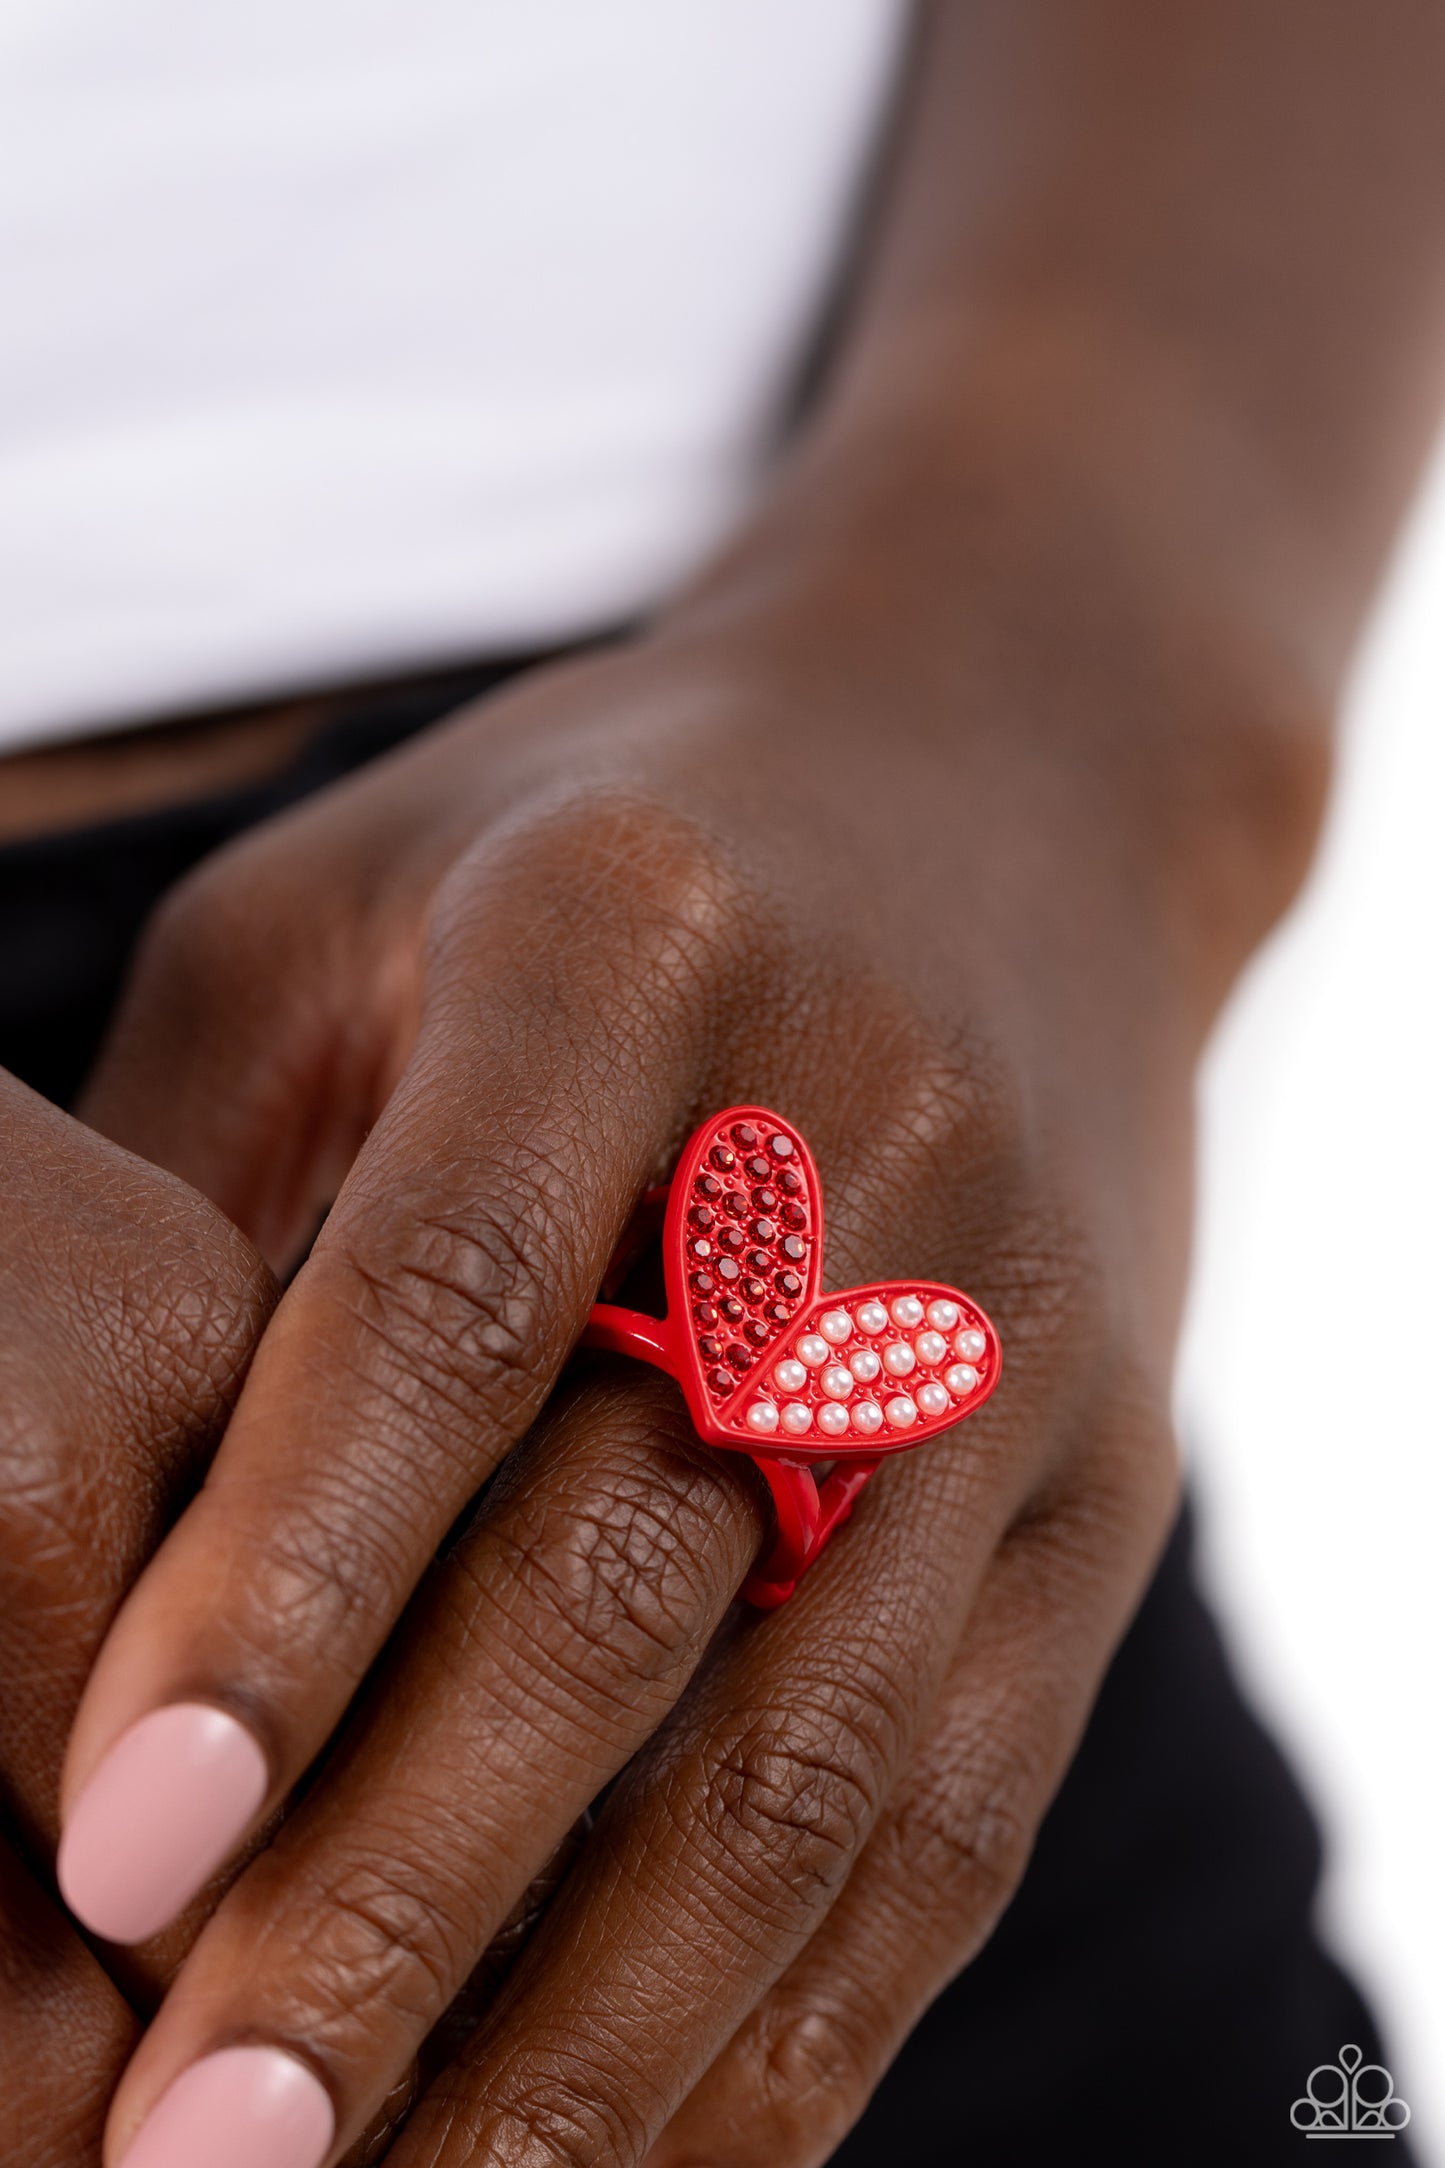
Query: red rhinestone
[[789, 1181], [708, 1185], [763, 1230], [701, 1247], [723, 1157], [794, 1249], [731, 1240], [703, 1283], [736, 1204], [727, 1269], [739, 1357], [777, 1313], [704, 1313], [758, 1260], [765, 1199], [709, 1348], [794, 1216], [721, 1381], [788, 1283], [757, 1332], [781, 1147], [758, 1169], [731, 1308], [745, 1135], [753, 1290], [702, 1216]]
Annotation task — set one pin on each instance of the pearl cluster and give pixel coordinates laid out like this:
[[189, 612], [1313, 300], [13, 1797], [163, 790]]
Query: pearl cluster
[[854, 1355], [746, 1247]]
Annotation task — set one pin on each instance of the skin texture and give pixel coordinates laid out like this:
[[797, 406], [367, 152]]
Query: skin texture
[[940, 815], [131, 1308]]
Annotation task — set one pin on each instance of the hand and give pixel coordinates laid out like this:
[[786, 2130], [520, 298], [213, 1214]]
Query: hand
[[487, 989], [130, 1311]]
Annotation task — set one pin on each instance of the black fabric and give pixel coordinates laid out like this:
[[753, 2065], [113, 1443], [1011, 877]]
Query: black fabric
[[1157, 1993], [72, 904]]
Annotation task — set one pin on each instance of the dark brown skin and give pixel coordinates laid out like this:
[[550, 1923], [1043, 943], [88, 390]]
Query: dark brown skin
[[131, 1308], [940, 815]]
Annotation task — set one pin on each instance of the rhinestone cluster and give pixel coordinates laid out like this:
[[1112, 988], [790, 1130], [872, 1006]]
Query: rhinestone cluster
[[748, 1235], [875, 1368]]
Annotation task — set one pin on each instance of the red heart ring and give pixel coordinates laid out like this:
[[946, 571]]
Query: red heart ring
[[773, 1368]]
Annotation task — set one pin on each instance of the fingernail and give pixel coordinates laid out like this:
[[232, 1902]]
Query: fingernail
[[245, 2107], [173, 1797]]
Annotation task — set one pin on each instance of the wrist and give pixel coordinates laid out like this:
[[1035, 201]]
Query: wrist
[[1024, 579]]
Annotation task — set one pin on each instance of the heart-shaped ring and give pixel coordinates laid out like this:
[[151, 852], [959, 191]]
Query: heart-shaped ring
[[769, 1365]]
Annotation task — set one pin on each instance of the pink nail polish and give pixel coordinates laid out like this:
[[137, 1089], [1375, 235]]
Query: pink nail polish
[[244, 2107], [173, 1797]]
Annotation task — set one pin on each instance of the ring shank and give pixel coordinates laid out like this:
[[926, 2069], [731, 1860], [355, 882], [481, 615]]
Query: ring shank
[[805, 1514]]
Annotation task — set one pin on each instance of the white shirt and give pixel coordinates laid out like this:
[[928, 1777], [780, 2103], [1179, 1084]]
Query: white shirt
[[346, 339]]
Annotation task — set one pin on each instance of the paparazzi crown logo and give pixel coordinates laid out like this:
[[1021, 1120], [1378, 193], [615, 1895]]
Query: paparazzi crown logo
[[1350, 2099]]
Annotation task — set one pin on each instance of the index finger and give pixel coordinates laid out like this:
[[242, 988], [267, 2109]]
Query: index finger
[[415, 1346]]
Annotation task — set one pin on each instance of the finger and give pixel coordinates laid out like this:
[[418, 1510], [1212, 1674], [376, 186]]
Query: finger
[[65, 2031], [537, 1660], [725, 1845], [938, 1871], [272, 1003], [131, 1309], [413, 1349], [599, 1582]]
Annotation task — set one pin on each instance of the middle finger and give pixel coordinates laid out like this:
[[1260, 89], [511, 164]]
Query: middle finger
[[548, 1651], [538, 1658]]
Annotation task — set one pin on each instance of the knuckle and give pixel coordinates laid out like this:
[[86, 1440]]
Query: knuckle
[[152, 1351], [384, 1946], [664, 899], [568, 2115], [965, 1838], [458, 1308], [566, 2102], [37, 1509], [194, 946], [789, 1804], [622, 1572], [208, 1297], [339, 1559], [805, 2080], [564, 2127]]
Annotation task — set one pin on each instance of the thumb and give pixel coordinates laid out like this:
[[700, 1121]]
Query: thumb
[[269, 1009]]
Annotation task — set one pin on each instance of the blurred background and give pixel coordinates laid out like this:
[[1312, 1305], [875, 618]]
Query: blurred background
[[1310, 1388]]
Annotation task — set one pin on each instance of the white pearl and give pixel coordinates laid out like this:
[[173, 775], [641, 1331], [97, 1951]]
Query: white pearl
[[867, 1417], [900, 1411], [836, 1382], [835, 1325], [969, 1344], [812, 1350], [932, 1399], [864, 1364], [898, 1359], [782, 1146], [906, 1310], [961, 1379], [797, 1417], [790, 1376], [832, 1419], [943, 1316], [872, 1317], [930, 1347], [762, 1416]]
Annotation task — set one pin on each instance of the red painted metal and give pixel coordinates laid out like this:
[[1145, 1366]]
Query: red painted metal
[[742, 1238]]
